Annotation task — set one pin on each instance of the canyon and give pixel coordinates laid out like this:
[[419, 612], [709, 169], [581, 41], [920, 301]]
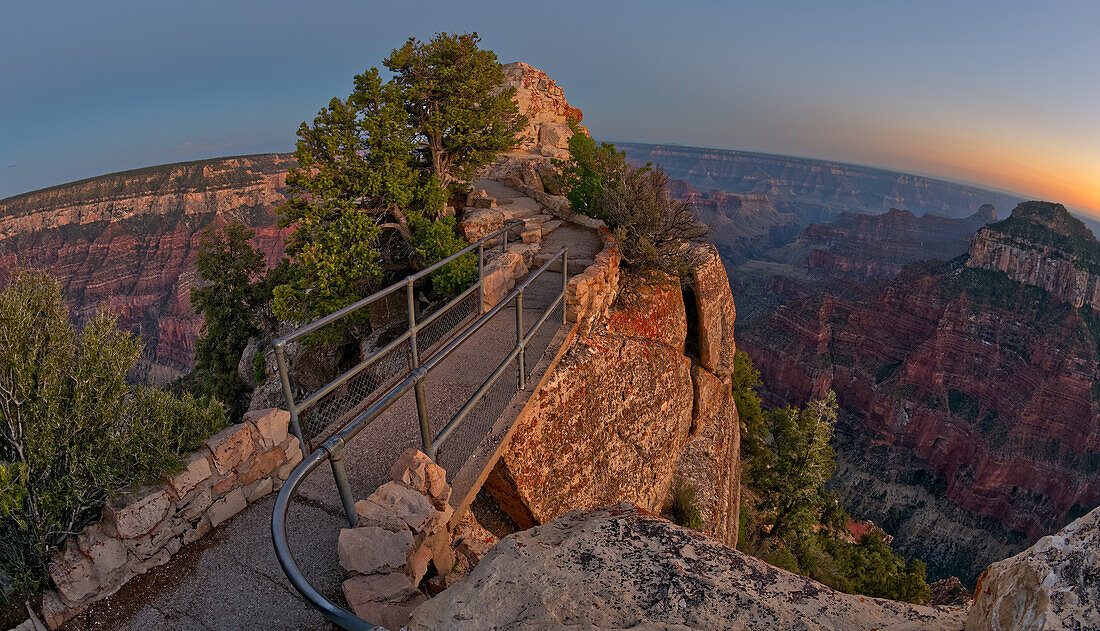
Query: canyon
[[970, 410], [128, 242]]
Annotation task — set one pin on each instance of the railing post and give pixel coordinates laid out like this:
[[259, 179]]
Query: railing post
[[425, 426], [519, 338], [284, 376], [412, 325], [346, 498], [504, 240]]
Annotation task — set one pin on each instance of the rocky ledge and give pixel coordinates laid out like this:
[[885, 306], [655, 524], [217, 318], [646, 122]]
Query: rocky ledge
[[620, 567]]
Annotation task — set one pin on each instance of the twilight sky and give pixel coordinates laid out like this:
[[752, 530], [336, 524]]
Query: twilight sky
[[1004, 93]]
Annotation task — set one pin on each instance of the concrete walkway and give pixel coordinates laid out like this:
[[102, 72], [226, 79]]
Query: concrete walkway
[[231, 579]]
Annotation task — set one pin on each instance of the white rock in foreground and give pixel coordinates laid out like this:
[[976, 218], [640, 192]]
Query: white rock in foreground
[[619, 568], [1053, 585]]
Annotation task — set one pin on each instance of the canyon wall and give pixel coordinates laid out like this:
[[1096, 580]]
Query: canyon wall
[[880, 245], [1042, 245], [129, 241], [970, 418]]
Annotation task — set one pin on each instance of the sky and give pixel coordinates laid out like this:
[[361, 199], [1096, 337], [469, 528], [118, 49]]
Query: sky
[[1002, 93]]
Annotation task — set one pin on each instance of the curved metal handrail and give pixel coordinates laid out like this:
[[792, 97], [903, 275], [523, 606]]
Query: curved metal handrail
[[331, 449]]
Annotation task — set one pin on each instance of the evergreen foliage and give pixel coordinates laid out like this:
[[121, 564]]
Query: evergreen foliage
[[452, 94], [796, 523], [653, 230], [375, 171], [229, 302], [72, 430]]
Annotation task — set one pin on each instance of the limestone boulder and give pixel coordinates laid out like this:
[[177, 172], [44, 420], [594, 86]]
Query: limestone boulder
[[196, 471], [231, 447], [272, 425], [620, 568], [73, 573], [373, 550], [609, 423], [1054, 584], [383, 599]]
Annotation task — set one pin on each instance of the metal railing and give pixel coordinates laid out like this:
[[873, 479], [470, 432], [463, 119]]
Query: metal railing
[[332, 405], [332, 448]]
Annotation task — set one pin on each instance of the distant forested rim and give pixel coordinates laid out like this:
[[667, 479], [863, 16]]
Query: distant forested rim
[[176, 177]]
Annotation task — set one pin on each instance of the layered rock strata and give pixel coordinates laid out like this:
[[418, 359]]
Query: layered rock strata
[[1041, 244], [128, 241], [970, 420]]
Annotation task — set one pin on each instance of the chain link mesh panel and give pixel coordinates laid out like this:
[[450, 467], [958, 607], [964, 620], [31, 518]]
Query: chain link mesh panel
[[330, 413], [478, 424], [441, 329]]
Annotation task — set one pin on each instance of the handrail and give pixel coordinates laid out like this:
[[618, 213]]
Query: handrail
[[410, 335], [359, 304], [333, 447]]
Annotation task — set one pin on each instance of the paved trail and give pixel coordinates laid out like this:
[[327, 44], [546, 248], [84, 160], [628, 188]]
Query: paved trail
[[231, 579]]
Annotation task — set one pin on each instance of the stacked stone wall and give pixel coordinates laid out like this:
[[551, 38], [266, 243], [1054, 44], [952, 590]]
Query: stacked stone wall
[[142, 527]]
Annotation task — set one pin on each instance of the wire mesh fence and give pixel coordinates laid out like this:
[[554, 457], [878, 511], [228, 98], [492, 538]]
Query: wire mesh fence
[[439, 330], [329, 413]]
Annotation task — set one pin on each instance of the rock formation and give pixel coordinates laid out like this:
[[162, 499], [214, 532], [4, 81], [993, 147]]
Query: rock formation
[[129, 241], [880, 245], [543, 102], [1041, 244], [970, 410], [1052, 585], [642, 398], [620, 567]]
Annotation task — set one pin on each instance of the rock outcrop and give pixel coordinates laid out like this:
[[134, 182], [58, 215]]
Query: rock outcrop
[[1054, 584], [1041, 244], [129, 241], [620, 567], [641, 399], [543, 102]]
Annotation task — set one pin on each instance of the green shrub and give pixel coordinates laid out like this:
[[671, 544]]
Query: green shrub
[[72, 430], [652, 228], [684, 510], [797, 524], [259, 367]]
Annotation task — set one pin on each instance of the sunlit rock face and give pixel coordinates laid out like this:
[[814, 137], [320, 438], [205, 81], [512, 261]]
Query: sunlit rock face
[[641, 401], [128, 241], [1042, 245], [971, 411]]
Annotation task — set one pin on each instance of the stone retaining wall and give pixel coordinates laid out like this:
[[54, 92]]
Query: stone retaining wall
[[143, 527]]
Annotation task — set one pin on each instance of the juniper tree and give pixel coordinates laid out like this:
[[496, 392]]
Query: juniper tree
[[374, 168], [229, 302]]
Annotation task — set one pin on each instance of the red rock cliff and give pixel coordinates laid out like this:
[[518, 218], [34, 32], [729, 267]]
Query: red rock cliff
[[971, 415], [129, 240], [641, 399]]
